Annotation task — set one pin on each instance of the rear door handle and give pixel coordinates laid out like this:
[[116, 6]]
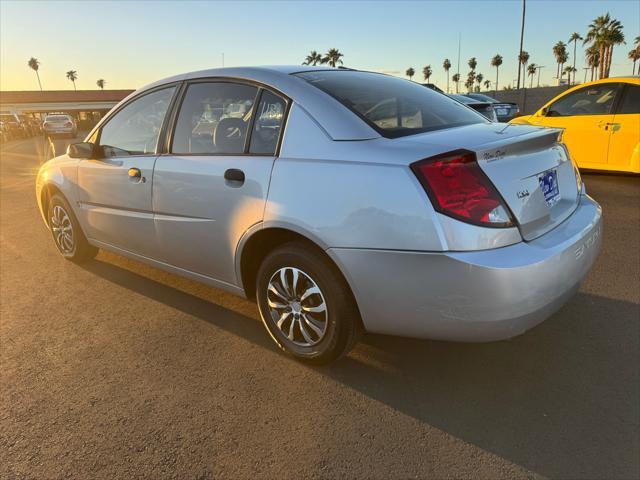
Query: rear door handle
[[234, 175]]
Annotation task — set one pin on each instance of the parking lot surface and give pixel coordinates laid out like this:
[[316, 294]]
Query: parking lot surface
[[114, 369]]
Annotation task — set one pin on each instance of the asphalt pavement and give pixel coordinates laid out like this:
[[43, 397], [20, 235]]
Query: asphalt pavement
[[114, 369]]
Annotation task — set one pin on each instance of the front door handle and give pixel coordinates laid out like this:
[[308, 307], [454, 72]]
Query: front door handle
[[234, 175], [614, 127], [135, 175]]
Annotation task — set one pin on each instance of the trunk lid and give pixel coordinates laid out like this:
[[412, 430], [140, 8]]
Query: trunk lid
[[529, 167]]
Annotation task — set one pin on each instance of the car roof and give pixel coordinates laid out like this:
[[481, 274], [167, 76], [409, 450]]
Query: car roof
[[336, 119]]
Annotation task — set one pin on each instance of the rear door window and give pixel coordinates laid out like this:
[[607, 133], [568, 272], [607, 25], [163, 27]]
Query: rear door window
[[268, 123], [631, 100]]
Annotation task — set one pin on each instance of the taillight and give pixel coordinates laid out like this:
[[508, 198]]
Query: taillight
[[458, 188]]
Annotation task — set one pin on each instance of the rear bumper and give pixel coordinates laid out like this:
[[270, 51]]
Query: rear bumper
[[474, 296]]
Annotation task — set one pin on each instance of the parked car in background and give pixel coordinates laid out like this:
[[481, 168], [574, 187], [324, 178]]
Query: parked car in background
[[383, 206], [505, 111], [12, 126], [484, 108], [433, 86], [601, 122], [59, 124]]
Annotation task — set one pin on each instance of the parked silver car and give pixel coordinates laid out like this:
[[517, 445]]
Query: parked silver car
[[59, 124], [343, 201]]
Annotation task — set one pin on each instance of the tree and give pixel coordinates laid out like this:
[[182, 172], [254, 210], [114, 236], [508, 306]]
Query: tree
[[314, 58], [34, 64], [456, 79], [531, 71], [560, 52], [575, 36], [496, 62], [562, 59], [479, 78], [447, 65], [613, 37], [73, 76], [593, 59], [410, 72], [333, 57], [634, 55], [473, 63], [569, 70], [597, 35], [523, 59], [487, 84], [101, 83], [471, 78], [427, 72]]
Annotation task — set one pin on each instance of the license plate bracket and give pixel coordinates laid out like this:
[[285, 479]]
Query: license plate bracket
[[549, 185]]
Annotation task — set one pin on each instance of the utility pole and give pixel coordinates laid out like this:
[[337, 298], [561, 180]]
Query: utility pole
[[524, 6], [459, 39], [540, 67], [222, 59], [585, 73]]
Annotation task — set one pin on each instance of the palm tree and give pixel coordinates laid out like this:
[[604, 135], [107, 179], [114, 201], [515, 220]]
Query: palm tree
[[456, 79], [410, 72], [560, 51], [613, 36], [479, 78], [314, 58], [333, 57], [34, 64], [427, 72], [473, 63], [471, 78], [597, 34], [487, 84], [593, 59], [634, 55], [575, 36], [531, 71], [100, 83], [496, 62], [523, 59], [562, 59], [73, 76], [569, 70], [447, 65]]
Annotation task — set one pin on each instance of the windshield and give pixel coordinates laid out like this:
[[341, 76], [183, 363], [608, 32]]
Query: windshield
[[392, 106]]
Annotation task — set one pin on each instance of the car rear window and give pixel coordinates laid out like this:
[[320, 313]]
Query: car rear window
[[392, 106], [56, 118]]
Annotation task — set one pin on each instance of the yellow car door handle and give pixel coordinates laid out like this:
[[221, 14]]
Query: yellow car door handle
[[614, 127]]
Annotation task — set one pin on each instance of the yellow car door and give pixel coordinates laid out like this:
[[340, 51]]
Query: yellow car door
[[624, 145], [586, 114]]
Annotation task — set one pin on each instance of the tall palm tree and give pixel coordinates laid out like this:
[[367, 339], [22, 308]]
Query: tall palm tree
[[560, 51], [314, 58], [613, 37], [456, 79], [471, 78], [100, 83], [473, 63], [531, 71], [487, 84], [34, 64], [596, 35], [592, 55], [410, 72], [562, 59], [634, 55], [575, 36], [496, 62], [333, 57], [427, 72], [73, 76], [523, 59], [479, 78], [447, 65]]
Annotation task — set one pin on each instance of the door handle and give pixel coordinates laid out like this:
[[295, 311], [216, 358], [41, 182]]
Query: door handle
[[614, 127], [135, 175], [234, 175]]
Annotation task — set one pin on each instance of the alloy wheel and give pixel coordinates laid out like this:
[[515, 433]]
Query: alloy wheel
[[62, 229]]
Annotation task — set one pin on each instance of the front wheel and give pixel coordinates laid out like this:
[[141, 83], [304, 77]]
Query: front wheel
[[66, 231], [306, 304]]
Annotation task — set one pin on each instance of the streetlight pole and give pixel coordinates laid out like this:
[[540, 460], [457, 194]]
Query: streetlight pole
[[540, 67], [524, 7], [585, 73]]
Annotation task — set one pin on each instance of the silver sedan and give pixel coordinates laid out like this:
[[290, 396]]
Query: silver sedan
[[342, 201]]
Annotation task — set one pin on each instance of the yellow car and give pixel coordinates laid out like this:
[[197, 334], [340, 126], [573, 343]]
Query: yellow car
[[601, 121]]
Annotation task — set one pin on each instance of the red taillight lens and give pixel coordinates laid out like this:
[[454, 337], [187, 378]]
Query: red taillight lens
[[458, 188]]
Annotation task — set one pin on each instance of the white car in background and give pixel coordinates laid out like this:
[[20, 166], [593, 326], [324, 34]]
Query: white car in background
[[59, 124]]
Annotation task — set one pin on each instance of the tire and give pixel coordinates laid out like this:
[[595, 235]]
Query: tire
[[306, 330], [66, 232]]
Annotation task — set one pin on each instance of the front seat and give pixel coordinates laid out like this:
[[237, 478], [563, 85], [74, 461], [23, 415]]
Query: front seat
[[228, 135]]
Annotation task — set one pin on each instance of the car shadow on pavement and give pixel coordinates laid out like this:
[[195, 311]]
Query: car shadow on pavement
[[560, 401]]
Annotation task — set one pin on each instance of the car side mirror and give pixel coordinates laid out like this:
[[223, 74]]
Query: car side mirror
[[544, 111], [82, 150]]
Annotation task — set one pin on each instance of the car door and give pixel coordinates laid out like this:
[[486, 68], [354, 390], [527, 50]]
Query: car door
[[114, 190], [585, 114], [212, 185], [624, 146]]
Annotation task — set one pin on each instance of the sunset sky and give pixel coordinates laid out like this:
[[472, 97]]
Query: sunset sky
[[132, 43]]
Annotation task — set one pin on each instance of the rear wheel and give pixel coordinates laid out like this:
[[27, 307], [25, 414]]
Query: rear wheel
[[306, 304], [67, 234]]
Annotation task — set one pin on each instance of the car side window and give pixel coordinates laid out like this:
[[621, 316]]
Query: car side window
[[135, 129], [590, 100], [214, 118], [631, 100], [267, 125]]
